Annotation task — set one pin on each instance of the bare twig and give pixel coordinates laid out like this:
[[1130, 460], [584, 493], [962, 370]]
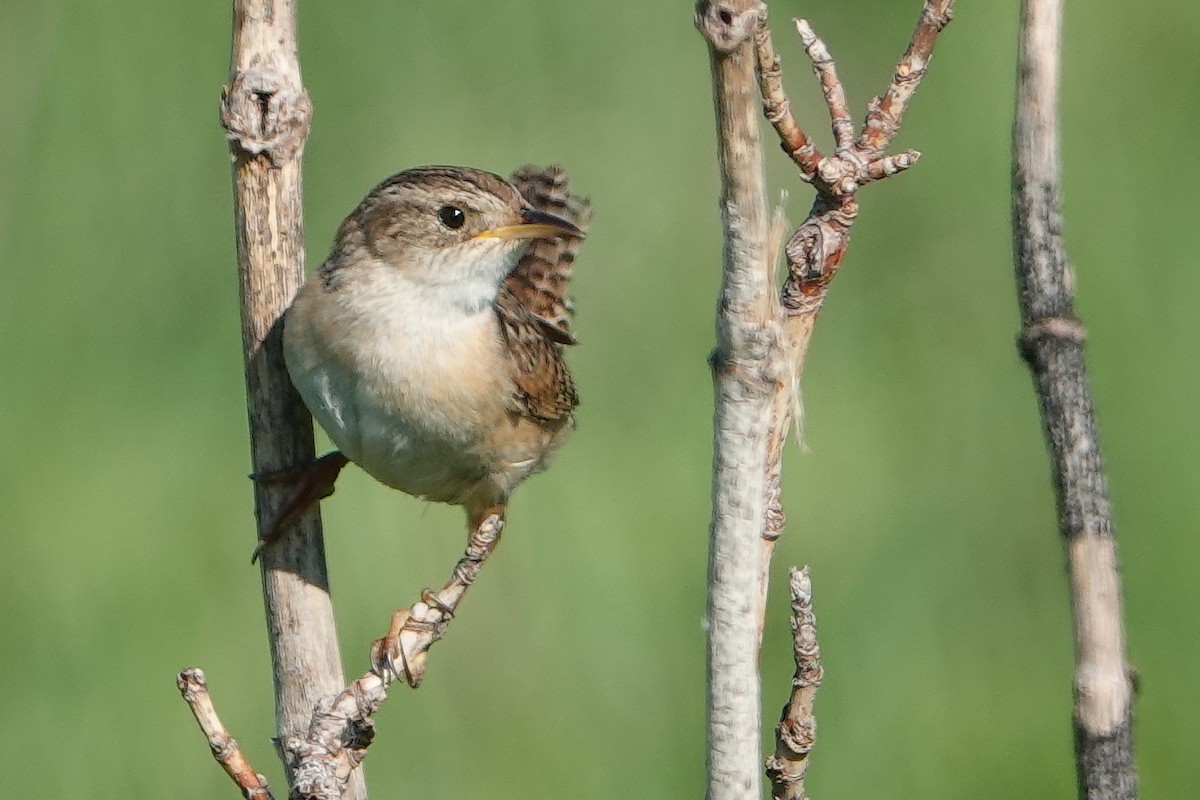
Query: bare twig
[[886, 113], [225, 749], [762, 337], [747, 372], [816, 250], [323, 760], [1051, 342], [266, 113], [341, 730], [777, 108], [831, 87], [797, 729], [815, 253]]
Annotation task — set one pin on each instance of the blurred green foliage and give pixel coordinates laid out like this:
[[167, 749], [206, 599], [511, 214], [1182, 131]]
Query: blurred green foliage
[[577, 668]]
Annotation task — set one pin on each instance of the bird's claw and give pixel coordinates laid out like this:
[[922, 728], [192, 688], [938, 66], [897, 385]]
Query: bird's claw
[[313, 482], [386, 652], [432, 599]]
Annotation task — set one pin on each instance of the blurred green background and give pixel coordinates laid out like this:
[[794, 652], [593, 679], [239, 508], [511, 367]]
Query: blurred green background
[[577, 665]]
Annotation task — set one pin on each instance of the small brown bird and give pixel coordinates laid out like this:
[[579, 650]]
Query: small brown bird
[[429, 345]]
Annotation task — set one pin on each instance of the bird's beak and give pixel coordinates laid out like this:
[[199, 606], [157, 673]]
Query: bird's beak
[[534, 224]]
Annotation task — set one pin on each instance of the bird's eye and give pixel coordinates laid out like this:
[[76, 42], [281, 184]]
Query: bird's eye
[[452, 217]]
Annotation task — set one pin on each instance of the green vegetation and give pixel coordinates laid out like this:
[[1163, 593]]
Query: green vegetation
[[576, 667]]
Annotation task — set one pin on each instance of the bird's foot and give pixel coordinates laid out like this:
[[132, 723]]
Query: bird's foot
[[386, 651], [388, 656], [313, 482]]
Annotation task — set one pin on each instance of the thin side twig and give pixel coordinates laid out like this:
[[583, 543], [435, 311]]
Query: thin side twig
[[225, 749], [1051, 342], [815, 251], [777, 108], [324, 760], [814, 255], [796, 732], [266, 113], [885, 113], [831, 86], [342, 727]]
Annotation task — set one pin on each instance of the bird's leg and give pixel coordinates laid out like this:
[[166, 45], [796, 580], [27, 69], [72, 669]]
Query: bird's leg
[[426, 620], [313, 482], [477, 517]]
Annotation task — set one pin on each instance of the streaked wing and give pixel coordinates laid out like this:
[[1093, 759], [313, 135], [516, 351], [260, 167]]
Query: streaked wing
[[539, 281], [544, 389]]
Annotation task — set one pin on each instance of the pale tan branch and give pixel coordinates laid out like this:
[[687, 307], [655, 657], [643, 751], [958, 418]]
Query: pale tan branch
[[266, 112], [797, 729], [747, 369], [225, 749]]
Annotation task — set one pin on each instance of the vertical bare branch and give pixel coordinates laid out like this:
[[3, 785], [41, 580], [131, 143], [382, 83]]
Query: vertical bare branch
[[797, 729], [266, 114], [1051, 342], [746, 372]]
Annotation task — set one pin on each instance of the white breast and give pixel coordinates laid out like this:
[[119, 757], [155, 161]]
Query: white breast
[[404, 382]]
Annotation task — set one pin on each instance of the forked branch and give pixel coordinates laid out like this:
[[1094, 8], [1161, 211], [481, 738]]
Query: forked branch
[[814, 254], [323, 760], [763, 333], [816, 249]]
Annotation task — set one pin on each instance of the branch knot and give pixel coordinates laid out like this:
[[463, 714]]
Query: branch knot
[[1065, 330], [728, 24], [264, 113]]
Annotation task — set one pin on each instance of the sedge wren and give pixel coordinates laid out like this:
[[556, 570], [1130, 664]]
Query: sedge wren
[[429, 345]]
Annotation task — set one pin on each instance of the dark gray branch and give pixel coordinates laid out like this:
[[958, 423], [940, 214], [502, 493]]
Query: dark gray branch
[[1051, 342]]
